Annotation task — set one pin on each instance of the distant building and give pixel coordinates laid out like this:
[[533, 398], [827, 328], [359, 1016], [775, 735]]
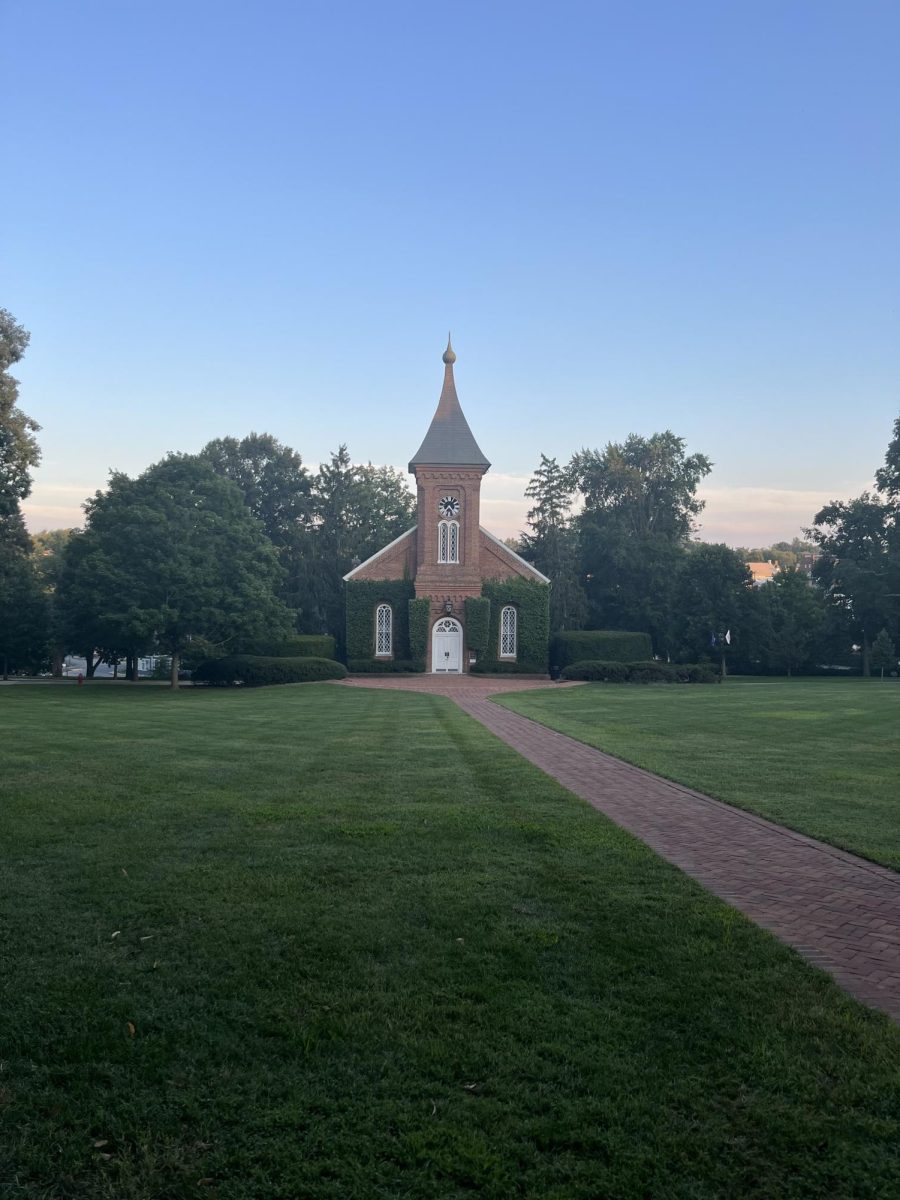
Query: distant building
[[762, 572]]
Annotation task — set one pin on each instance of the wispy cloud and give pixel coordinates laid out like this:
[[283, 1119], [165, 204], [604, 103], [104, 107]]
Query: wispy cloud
[[758, 516], [56, 505]]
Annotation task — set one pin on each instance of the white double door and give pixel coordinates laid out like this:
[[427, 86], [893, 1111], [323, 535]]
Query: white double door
[[446, 647]]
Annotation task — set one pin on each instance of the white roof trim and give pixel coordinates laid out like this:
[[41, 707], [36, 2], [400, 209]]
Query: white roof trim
[[517, 557], [378, 553]]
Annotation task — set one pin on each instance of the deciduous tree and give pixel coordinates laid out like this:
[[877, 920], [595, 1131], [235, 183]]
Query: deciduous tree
[[640, 506], [795, 619], [712, 594], [168, 556], [855, 566], [18, 446]]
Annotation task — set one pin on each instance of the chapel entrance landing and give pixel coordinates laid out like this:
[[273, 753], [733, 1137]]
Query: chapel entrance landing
[[446, 647]]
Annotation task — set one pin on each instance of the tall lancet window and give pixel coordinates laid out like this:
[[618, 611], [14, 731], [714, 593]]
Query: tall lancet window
[[448, 541], [508, 632], [383, 631]]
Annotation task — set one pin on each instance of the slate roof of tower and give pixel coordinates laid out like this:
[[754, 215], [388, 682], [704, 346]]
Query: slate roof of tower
[[449, 440]]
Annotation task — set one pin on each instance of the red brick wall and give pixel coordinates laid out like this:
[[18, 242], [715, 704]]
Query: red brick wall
[[393, 563]]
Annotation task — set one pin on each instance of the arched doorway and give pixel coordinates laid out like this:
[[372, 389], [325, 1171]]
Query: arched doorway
[[446, 647]]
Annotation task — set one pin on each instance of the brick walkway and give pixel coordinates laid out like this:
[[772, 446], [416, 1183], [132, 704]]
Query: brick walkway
[[840, 912]]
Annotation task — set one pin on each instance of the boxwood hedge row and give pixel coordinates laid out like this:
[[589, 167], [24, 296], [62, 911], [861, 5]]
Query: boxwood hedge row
[[599, 645], [640, 672], [254, 670]]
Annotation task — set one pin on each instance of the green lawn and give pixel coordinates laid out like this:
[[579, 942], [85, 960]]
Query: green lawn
[[818, 755], [320, 942]]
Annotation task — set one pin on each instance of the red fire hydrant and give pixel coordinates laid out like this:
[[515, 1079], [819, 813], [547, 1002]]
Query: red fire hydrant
[[80, 679]]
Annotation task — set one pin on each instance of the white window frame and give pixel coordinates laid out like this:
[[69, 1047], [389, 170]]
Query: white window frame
[[384, 631], [448, 541], [509, 631]]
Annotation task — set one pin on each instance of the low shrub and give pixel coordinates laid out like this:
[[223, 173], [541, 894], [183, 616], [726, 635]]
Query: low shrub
[[253, 670], [703, 673], [597, 671], [383, 666], [651, 673], [493, 666], [599, 645]]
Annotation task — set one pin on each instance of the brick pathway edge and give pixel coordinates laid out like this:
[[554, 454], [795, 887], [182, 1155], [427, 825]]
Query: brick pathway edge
[[841, 912]]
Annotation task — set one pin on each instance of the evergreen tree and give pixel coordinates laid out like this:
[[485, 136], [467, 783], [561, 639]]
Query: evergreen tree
[[884, 653], [550, 543], [357, 511]]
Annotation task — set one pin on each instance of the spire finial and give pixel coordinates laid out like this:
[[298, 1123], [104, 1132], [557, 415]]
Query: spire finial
[[449, 355]]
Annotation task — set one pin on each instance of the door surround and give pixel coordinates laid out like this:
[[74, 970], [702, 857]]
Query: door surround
[[446, 647]]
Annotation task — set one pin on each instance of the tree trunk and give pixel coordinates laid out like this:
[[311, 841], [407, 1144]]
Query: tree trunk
[[89, 665], [175, 660], [115, 668], [724, 671], [57, 667], [866, 668]]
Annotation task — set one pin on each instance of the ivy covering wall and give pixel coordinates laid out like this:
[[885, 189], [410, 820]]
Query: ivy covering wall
[[532, 604], [419, 612], [363, 595], [478, 624]]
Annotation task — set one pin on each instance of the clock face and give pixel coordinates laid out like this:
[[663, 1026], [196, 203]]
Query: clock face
[[448, 506]]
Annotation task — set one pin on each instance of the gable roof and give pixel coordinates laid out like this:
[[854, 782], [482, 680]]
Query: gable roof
[[378, 553], [449, 440], [518, 557]]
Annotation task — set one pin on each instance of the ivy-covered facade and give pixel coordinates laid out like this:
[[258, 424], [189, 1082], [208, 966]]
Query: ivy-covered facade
[[447, 596]]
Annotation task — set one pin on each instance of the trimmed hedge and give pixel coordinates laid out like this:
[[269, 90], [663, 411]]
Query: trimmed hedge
[[640, 672], [599, 645], [363, 596], [532, 604], [478, 624], [298, 645], [384, 666], [255, 670], [504, 666], [419, 620]]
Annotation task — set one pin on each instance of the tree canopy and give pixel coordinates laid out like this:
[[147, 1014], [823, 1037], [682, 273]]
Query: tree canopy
[[19, 450], [169, 556]]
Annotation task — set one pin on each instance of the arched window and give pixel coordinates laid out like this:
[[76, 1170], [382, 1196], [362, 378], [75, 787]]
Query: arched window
[[508, 632], [383, 631], [448, 541]]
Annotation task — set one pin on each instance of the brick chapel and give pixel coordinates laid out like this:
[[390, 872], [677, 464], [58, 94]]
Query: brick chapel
[[486, 607]]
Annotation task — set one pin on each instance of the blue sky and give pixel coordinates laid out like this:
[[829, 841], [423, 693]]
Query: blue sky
[[220, 217]]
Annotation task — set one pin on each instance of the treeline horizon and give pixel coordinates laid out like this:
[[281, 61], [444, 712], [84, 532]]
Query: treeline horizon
[[201, 553]]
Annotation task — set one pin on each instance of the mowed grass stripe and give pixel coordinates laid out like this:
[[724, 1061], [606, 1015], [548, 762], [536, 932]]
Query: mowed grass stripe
[[818, 755], [368, 951]]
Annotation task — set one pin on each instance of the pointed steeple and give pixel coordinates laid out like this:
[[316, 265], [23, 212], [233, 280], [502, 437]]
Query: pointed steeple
[[449, 440]]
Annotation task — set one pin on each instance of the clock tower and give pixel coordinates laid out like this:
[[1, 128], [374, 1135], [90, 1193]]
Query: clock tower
[[447, 595], [448, 467]]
